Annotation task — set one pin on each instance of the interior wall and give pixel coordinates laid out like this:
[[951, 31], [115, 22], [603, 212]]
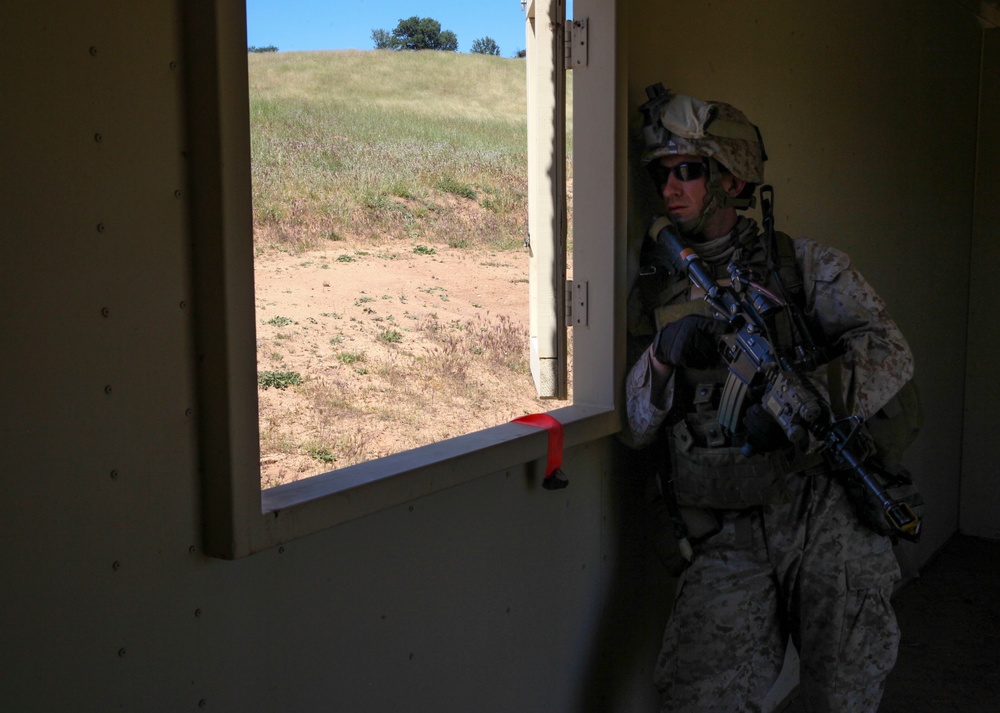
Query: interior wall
[[491, 596], [980, 495], [495, 595], [868, 113]]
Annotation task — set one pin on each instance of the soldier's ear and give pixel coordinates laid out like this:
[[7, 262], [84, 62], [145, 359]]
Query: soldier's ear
[[735, 186]]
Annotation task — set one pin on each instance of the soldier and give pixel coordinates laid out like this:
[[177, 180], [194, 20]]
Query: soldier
[[778, 550]]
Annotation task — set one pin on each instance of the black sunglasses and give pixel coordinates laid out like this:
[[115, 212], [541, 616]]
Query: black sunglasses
[[687, 171]]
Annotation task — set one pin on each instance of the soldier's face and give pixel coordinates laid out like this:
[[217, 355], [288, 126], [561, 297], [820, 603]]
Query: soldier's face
[[684, 187], [683, 199]]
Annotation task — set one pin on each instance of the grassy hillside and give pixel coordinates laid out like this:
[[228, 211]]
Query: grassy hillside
[[390, 209], [378, 144]]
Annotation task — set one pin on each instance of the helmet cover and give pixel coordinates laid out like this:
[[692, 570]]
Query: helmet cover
[[683, 125]]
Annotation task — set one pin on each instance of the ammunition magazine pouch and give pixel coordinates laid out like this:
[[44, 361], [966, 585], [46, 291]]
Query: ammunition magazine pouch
[[722, 477]]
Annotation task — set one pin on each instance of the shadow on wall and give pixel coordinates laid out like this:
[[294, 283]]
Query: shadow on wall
[[630, 628]]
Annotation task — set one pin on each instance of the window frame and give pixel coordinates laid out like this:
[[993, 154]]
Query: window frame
[[239, 518]]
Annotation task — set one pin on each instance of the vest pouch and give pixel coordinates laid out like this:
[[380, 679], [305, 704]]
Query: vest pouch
[[722, 477]]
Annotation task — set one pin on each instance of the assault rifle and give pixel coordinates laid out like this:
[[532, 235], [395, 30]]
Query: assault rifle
[[758, 371]]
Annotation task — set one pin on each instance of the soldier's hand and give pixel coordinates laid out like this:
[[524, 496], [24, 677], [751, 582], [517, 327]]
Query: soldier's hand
[[691, 341]]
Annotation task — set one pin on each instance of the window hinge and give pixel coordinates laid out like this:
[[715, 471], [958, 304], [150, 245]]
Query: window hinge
[[576, 303], [575, 44]]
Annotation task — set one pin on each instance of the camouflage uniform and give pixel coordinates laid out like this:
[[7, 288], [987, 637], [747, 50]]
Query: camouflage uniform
[[803, 567]]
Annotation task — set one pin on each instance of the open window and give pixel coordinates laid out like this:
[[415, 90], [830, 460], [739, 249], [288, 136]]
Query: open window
[[239, 517]]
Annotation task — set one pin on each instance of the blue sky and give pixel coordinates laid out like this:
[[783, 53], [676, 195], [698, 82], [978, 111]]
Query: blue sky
[[335, 24]]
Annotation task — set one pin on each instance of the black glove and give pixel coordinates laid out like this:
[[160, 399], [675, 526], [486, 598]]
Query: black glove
[[691, 341], [763, 433]]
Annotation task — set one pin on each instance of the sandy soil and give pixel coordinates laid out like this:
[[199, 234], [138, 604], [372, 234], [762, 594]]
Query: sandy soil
[[389, 342]]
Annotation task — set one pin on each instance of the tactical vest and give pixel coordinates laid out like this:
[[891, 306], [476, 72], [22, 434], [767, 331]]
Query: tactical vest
[[708, 467]]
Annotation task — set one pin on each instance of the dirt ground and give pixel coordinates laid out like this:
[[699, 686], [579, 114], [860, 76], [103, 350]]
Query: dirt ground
[[397, 345]]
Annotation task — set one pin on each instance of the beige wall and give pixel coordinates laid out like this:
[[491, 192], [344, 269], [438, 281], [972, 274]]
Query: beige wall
[[869, 115], [493, 595], [980, 494]]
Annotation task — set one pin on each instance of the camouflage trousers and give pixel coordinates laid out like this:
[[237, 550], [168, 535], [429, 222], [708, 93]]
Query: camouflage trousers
[[806, 570]]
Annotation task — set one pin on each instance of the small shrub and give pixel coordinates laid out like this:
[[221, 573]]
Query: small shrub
[[450, 185], [278, 379], [279, 321], [391, 336], [424, 250], [322, 454]]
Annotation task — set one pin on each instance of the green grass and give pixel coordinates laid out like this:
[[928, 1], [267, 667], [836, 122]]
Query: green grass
[[376, 143], [278, 379]]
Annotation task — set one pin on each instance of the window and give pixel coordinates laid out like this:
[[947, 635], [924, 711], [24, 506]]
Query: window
[[391, 273], [239, 518]]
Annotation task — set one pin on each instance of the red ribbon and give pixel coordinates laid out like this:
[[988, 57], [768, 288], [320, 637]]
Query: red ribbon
[[554, 477]]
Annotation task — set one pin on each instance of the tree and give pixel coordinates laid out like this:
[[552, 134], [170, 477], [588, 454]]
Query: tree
[[486, 45], [382, 40], [416, 33]]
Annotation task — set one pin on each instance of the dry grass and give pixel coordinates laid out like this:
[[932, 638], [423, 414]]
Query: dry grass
[[380, 144], [389, 218]]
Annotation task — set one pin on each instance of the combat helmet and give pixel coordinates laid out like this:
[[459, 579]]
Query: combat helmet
[[677, 124]]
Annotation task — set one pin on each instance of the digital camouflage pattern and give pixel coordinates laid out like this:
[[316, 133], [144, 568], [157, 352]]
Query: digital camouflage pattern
[[877, 360], [808, 569], [712, 129]]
